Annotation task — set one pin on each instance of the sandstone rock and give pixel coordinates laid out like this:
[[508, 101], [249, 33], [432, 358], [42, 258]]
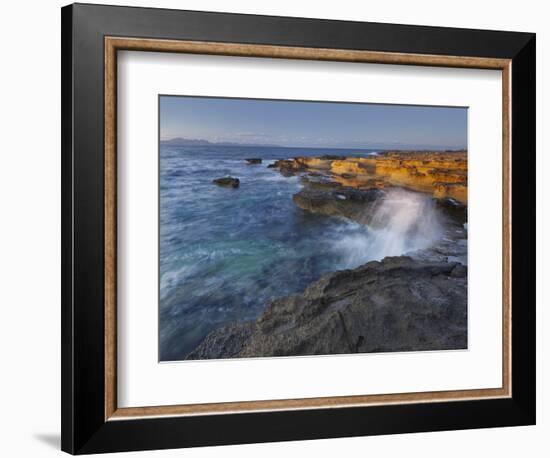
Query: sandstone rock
[[356, 166], [458, 191], [227, 181], [320, 162], [441, 174], [398, 304], [288, 167]]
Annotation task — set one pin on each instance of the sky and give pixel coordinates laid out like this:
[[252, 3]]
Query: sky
[[312, 124]]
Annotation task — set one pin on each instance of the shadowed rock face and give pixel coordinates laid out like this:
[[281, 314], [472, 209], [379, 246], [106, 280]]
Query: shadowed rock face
[[352, 203], [398, 304]]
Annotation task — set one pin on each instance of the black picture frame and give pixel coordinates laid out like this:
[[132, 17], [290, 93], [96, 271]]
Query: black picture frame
[[84, 428]]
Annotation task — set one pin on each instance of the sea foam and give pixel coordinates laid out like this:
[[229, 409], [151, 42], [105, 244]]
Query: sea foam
[[404, 221]]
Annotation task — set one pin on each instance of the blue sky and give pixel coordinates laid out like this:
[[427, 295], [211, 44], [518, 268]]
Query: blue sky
[[314, 124]]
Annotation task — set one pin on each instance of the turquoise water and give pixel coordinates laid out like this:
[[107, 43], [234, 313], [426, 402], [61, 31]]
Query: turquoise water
[[226, 253]]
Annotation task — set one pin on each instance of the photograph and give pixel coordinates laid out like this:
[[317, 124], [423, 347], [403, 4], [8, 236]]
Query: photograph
[[310, 228]]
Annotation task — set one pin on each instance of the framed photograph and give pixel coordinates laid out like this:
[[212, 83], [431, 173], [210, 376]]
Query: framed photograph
[[281, 228]]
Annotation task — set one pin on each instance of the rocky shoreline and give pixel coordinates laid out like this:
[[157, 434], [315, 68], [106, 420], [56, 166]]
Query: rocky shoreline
[[442, 174], [412, 302], [397, 304]]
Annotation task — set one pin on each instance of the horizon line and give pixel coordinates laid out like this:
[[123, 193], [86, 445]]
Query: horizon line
[[273, 145]]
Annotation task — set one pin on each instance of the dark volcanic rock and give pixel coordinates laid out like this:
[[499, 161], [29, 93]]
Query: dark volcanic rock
[[398, 304], [254, 160], [227, 181], [454, 209], [228, 340], [356, 204]]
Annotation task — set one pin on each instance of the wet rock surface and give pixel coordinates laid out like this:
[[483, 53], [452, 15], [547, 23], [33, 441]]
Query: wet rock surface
[[398, 304], [355, 204], [229, 182]]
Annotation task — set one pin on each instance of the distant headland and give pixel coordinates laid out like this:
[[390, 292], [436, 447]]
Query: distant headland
[[404, 148], [181, 141]]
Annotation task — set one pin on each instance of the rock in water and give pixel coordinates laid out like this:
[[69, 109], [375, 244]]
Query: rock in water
[[254, 160], [355, 204], [227, 181], [397, 304]]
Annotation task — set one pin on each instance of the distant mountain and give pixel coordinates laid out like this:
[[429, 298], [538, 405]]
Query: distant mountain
[[180, 141]]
